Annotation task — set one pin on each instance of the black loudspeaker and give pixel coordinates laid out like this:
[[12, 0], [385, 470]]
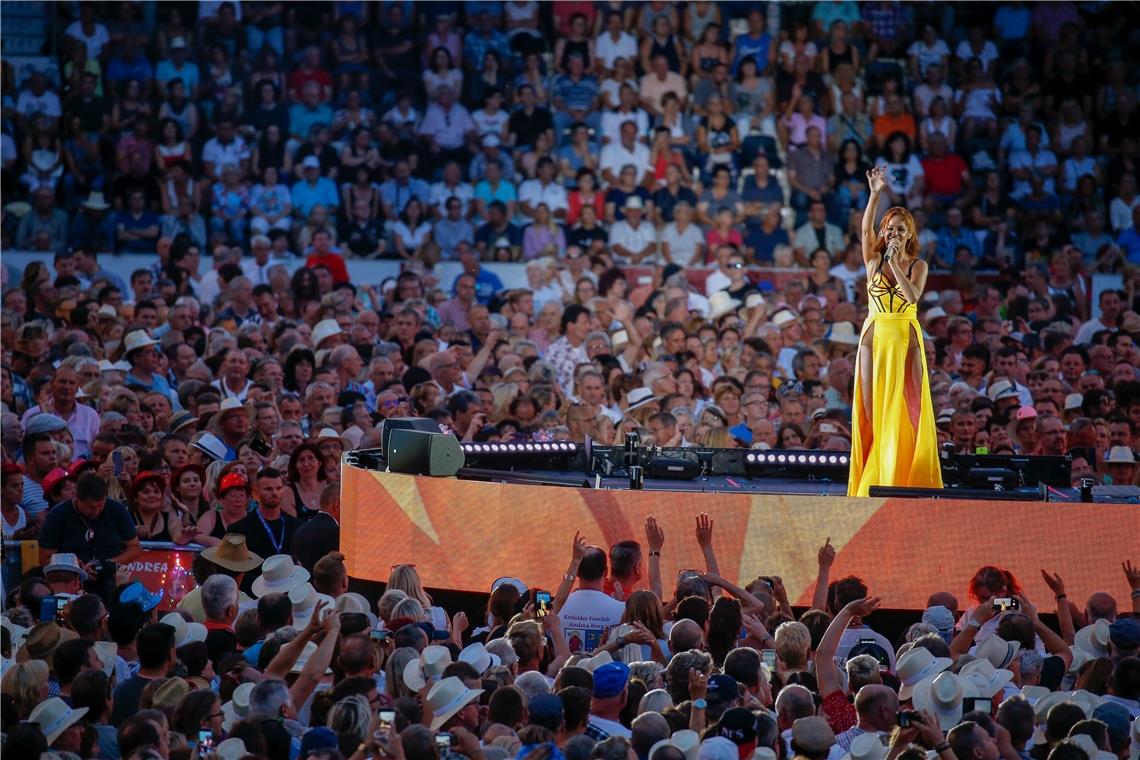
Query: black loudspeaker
[[418, 453], [423, 424]]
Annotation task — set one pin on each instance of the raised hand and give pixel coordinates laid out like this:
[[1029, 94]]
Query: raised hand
[[578, 549], [863, 607], [698, 684], [654, 534], [877, 178], [826, 554], [1132, 573], [704, 530], [1054, 582]]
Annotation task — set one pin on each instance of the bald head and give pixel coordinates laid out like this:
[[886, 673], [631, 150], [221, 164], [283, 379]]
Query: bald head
[[1101, 606], [685, 635], [793, 703], [877, 707], [943, 599]]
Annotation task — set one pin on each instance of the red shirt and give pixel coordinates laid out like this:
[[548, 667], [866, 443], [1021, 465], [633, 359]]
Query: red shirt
[[576, 204], [944, 175], [331, 260], [839, 711], [299, 78]]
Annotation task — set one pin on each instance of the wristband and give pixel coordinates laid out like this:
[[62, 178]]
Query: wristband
[[973, 623], [1135, 593], [654, 554], [699, 704], [1062, 597], [569, 576], [942, 747]]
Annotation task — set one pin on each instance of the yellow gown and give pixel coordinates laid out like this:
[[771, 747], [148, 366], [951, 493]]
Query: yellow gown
[[887, 448]]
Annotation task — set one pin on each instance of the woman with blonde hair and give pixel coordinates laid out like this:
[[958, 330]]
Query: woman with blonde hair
[[394, 672], [350, 716], [425, 397], [641, 635], [894, 439], [407, 579], [502, 395], [408, 608], [793, 647], [119, 482], [27, 684]]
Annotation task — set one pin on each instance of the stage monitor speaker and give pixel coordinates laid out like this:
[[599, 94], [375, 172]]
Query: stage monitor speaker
[[418, 453], [672, 468], [423, 424]]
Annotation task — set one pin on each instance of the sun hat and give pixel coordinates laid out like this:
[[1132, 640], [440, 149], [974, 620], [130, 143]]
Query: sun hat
[[232, 553], [610, 679], [324, 330], [1093, 639], [231, 749], [1120, 455], [596, 661], [987, 679], [211, 445], [427, 668], [96, 200], [783, 317], [144, 477], [229, 405], [998, 651], [280, 574], [350, 601], [633, 201], [53, 716], [941, 618], [179, 420], [502, 649], [41, 641], [1073, 401], [507, 579], [477, 656], [448, 697], [842, 333], [1088, 744], [688, 741], [867, 747], [44, 422], [65, 563], [135, 340], [107, 652], [721, 303], [933, 313], [943, 695], [1086, 700], [639, 397], [238, 706], [16, 633], [718, 748], [812, 735], [137, 593], [1002, 390], [917, 665], [311, 162], [170, 693], [1033, 693], [308, 651], [304, 599]]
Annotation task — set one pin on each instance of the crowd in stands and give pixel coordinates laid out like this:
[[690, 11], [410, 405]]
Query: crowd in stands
[[682, 183]]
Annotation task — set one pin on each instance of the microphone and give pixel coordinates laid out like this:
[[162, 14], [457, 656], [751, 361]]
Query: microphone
[[892, 249]]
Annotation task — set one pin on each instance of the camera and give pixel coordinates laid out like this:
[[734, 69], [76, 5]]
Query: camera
[[908, 717]]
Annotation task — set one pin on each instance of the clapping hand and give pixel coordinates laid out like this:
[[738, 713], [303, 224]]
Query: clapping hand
[[1055, 583], [877, 178]]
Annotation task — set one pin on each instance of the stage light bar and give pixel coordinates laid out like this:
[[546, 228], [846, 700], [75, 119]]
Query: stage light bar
[[564, 448], [521, 455], [798, 458], [802, 463]]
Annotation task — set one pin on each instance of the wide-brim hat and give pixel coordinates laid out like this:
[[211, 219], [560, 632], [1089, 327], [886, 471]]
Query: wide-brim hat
[[53, 716], [1093, 639], [231, 749], [842, 333], [211, 445], [639, 397], [448, 697], [280, 574], [867, 747], [137, 593], [427, 668], [238, 706], [233, 554], [135, 340], [179, 420], [987, 679], [16, 633], [998, 651], [917, 665], [96, 201], [350, 601], [107, 652], [783, 317], [1120, 455], [41, 641], [304, 599], [324, 330], [65, 563], [721, 303], [943, 695], [477, 656], [593, 663], [933, 313], [229, 405], [184, 632], [502, 649]]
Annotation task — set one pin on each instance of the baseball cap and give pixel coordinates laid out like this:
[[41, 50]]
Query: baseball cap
[[231, 481], [317, 738], [738, 725], [722, 688], [611, 679], [1125, 633]]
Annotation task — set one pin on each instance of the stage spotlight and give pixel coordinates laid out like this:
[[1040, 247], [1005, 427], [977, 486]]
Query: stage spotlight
[[521, 455], [814, 465]]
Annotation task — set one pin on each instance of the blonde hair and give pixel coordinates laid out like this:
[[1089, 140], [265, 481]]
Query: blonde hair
[[793, 644], [406, 579], [350, 716], [526, 639], [23, 683], [409, 607], [502, 395]]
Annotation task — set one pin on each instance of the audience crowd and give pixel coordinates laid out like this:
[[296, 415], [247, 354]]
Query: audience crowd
[[682, 184]]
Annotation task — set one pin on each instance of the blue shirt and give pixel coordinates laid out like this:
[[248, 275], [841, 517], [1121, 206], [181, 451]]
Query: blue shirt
[[121, 70], [476, 44], [1129, 240], [397, 196], [146, 220], [157, 383], [302, 118], [757, 47], [948, 242], [167, 71], [305, 196], [487, 284]]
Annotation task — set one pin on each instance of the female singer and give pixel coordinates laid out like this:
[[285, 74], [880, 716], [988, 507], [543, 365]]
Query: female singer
[[894, 441]]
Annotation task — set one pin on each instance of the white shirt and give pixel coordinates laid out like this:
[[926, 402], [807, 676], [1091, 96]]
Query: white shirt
[[615, 156], [22, 521], [610, 727], [1085, 333], [553, 195], [989, 52], [633, 239], [1120, 213], [256, 272], [682, 245], [612, 121], [440, 192], [29, 103], [99, 37], [1023, 159], [586, 616], [608, 50], [218, 154], [490, 124], [928, 55]]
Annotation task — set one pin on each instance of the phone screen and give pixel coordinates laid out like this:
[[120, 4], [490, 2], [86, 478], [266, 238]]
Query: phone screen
[[443, 740], [768, 657], [205, 741], [387, 717], [542, 603], [47, 609], [60, 609], [378, 635]]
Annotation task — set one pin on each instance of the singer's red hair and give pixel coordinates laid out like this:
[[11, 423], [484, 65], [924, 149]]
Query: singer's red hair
[[908, 220]]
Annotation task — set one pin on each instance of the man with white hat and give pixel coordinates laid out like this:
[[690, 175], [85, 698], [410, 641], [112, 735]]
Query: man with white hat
[[64, 574], [455, 708], [633, 240], [59, 724], [142, 352]]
